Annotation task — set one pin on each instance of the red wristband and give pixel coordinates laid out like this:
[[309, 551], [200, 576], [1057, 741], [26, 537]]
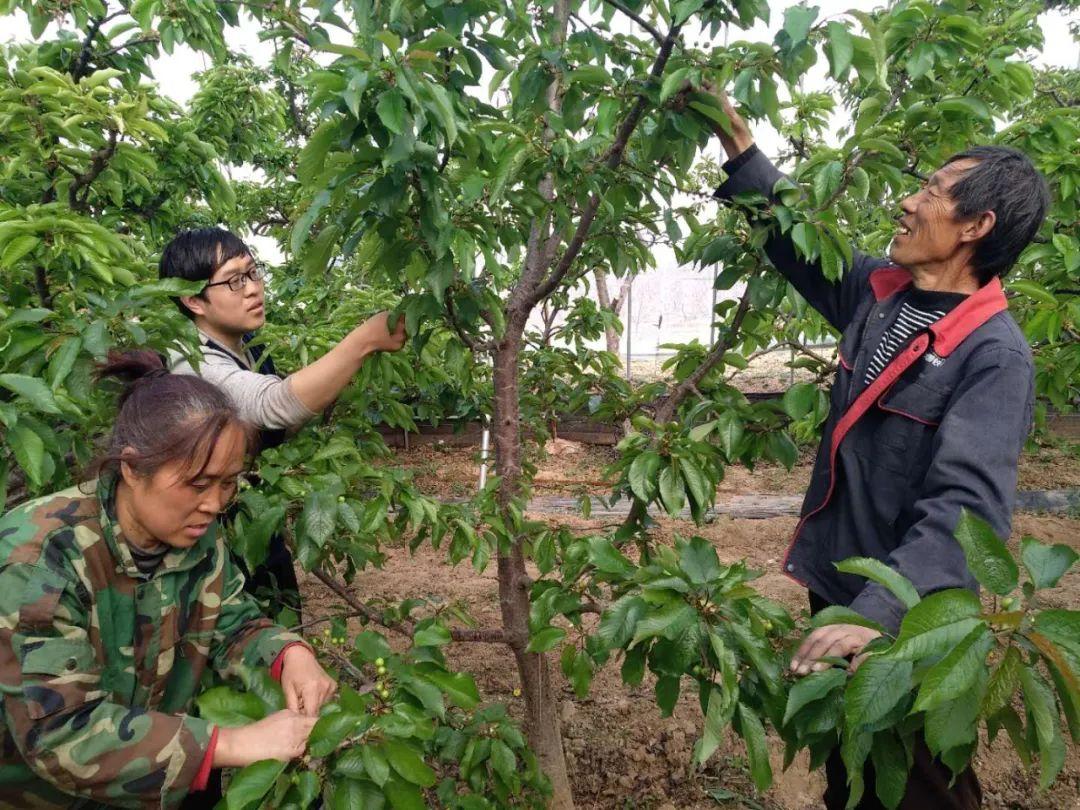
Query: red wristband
[[279, 662], [203, 775]]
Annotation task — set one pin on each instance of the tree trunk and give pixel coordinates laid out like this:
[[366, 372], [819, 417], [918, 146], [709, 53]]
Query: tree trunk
[[604, 299], [541, 708]]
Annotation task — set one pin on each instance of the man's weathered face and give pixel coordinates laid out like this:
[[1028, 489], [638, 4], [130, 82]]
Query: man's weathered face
[[928, 232]]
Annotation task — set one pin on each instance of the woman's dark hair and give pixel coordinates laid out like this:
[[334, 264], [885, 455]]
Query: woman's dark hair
[[196, 254], [1005, 181], [163, 417]]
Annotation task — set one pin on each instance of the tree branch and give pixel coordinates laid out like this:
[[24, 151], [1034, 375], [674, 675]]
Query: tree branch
[[490, 635], [125, 45], [86, 51], [614, 158], [98, 162], [474, 344], [638, 19], [666, 410]]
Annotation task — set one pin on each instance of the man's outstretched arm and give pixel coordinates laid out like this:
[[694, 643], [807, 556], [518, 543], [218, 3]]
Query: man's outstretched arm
[[748, 169]]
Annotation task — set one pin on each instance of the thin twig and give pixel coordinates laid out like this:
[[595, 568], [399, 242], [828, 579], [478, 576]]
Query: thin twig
[[638, 19], [614, 159], [491, 635], [131, 43]]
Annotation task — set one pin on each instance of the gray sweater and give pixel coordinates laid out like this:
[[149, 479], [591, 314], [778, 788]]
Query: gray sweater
[[265, 400]]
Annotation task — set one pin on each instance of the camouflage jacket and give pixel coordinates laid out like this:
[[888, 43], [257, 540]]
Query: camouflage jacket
[[98, 664]]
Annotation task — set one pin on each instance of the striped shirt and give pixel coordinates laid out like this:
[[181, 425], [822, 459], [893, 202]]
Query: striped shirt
[[919, 310]]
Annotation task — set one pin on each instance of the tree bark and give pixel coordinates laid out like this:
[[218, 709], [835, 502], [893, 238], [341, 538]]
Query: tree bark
[[541, 712], [603, 296]]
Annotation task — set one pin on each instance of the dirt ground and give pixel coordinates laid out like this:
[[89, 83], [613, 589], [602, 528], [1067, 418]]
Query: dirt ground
[[620, 752], [575, 469]]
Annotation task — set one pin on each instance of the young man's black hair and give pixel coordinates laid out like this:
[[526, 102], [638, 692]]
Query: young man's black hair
[[194, 256]]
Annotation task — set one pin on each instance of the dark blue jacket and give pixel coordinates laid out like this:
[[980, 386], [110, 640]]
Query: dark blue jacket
[[940, 428]]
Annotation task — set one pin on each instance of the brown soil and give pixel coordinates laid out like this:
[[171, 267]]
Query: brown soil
[[574, 469], [621, 753]]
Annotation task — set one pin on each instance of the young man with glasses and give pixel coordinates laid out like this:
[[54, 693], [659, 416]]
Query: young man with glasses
[[226, 312]]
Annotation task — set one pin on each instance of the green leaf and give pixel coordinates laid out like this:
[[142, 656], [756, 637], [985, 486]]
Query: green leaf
[[1003, 683], [17, 248], [63, 361], [371, 645], [986, 555], [1033, 290], [593, 75], [668, 622], [936, 624], [877, 571], [696, 483], [800, 399], [319, 517], [1044, 716], [350, 764], [226, 707], [355, 794], [811, 688], [672, 494], [701, 432], [965, 106], [667, 693], [890, 768], [312, 157], [698, 561], [408, 763], [757, 748], [607, 559], [503, 761], [29, 451], [805, 237], [404, 796], [375, 764], [33, 390], [545, 639], [618, 622], [391, 111], [876, 687], [827, 181], [729, 430], [458, 686], [434, 635], [797, 22], [840, 50], [330, 731], [642, 475], [957, 672], [250, 785], [835, 614], [1046, 564], [443, 108], [673, 82]]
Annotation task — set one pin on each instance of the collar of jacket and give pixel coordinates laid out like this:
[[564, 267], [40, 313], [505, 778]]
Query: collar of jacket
[[953, 329], [174, 560]]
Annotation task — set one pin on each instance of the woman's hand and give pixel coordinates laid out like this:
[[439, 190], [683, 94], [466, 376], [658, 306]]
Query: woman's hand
[[305, 683], [281, 736]]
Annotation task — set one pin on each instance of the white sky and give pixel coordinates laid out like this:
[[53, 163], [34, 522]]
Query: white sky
[[672, 304]]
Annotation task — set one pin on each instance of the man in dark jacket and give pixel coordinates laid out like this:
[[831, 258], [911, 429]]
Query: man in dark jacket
[[930, 409]]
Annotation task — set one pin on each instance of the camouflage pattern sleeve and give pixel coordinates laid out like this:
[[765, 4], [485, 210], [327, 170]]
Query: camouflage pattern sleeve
[[56, 705], [244, 636]]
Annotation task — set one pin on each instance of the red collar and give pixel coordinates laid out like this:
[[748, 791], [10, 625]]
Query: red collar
[[953, 329]]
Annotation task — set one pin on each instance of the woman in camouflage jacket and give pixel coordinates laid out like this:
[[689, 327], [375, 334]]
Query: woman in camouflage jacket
[[115, 597]]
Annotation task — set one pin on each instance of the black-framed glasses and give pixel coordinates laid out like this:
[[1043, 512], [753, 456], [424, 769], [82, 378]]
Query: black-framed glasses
[[239, 281]]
